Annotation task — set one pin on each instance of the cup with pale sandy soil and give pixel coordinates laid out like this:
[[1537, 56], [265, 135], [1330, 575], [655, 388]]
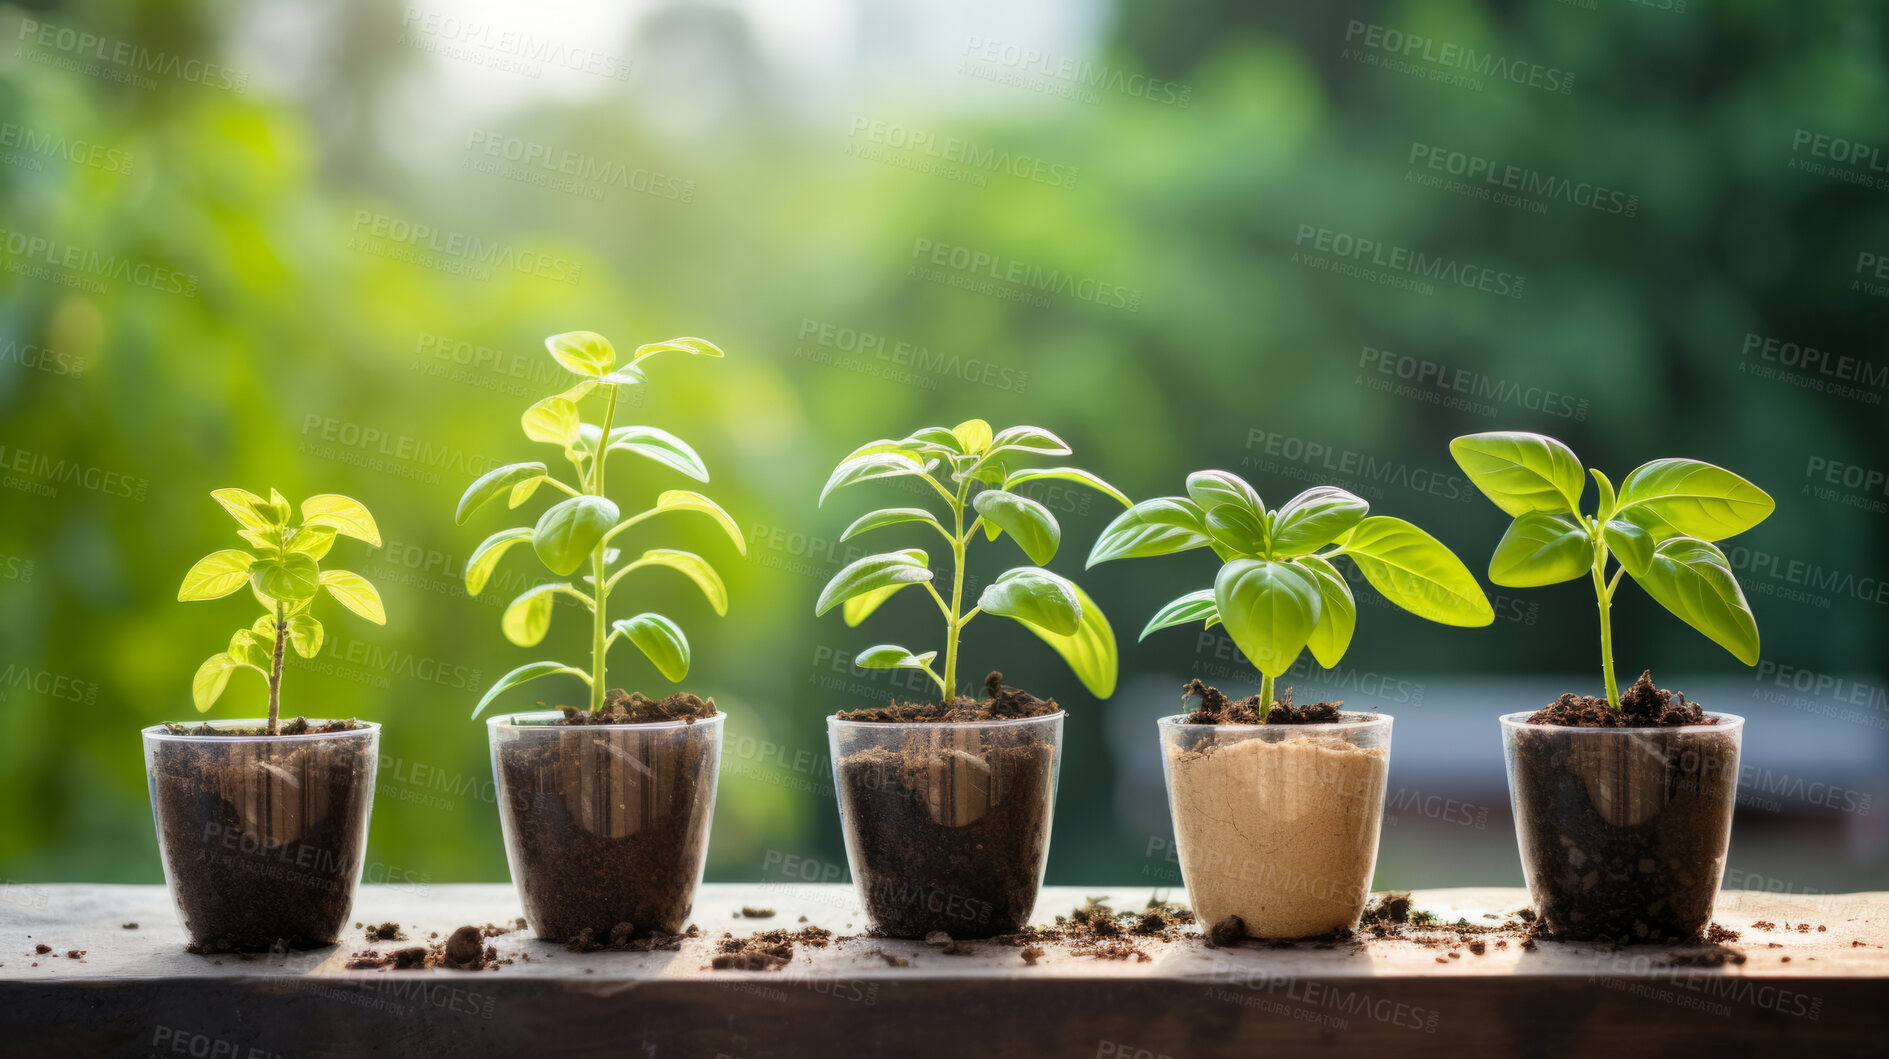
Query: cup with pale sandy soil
[[1277, 823]]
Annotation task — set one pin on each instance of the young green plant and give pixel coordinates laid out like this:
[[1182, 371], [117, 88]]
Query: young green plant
[[976, 472], [284, 574], [1278, 591], [1658, 528], [580, 528]]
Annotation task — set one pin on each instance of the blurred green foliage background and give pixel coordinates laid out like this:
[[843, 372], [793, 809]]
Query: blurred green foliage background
[[208, 286]]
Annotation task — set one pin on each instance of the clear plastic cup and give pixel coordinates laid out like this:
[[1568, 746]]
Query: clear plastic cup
[[1623, 831], [1278, 823], [605, 824], [947, 825], [262, 836]]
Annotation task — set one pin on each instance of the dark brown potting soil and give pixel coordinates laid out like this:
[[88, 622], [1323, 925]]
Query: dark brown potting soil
[[1216, 708], [949, 831], [292, 726], [608, 826], [1641, 706], [263, 840], [620, 707], [1001, 702], [1624, 836]]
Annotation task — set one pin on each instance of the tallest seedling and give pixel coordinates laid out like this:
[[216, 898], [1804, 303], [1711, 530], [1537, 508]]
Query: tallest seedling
[[580, 529], [1659, 528]]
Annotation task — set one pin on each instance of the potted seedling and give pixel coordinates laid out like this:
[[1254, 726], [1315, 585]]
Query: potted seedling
[[945, 803], [1277, 807], [1623, 804], [605, 805], [261, 824]]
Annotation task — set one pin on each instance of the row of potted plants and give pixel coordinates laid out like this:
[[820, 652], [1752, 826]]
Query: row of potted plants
[[1623, 804]]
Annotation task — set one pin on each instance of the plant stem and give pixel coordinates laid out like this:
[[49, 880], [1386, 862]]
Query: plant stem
[[1265, 695], [959, 540], [600, 621], [1605, 602], [275, 667]]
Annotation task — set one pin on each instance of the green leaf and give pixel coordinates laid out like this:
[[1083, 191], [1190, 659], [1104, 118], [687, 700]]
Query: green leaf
[[244, 506], [568, 531], [553, 420], [1211, 489], [1160, 526], [694, 566], [1608, 501], [355, 593], [207, 686], [1270, 609], [347, 516], [305, 635], [1337, 615], [1090, 650], [660, 640], [692, 346], [973, 436], [486, 556], [1632, 545], [1692, 578], [216, 575], [1035, 597], [659, 445], [495, 481], [528, 671], [868, 467], [583, 353], [1028, 439], [1541, 549], [1194, 606], [252, 648], [1522, 472], [1694, 499], [528, 617], [1240, 530], [873, 572], [286, 577], [890, 516], [860, 607], [1415, 571], [1316, 518], [312, 541], [1029, 523], [277, 510], [1067, 474], [892, 656], [684, 500]]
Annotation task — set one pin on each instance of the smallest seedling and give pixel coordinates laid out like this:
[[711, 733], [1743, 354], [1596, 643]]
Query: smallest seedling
[[285, 575]]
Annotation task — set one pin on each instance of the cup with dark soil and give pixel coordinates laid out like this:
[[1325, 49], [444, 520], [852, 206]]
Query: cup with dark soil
[[1623, 815], [946, 809], [1276, 822], [606, 814], [262, 836]]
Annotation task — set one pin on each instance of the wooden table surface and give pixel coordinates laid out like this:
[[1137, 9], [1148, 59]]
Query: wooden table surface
[[136, 992]]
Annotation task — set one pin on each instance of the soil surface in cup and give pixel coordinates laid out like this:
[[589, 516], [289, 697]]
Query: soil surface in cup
[[1624, 837], [950, 833], [1277, 837], [263, 840], [607, 826]]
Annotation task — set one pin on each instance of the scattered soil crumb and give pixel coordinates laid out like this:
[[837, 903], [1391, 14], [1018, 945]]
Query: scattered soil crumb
[[75, 954], [131, 926], [766, 950], [623, 939], [890, 960], [1707, 956], [386, 932], [1031, 954], [42, 948], [1227, 932], [1478, 947], [1718, 935], [1764, 924], [760, 913], [465, 950]]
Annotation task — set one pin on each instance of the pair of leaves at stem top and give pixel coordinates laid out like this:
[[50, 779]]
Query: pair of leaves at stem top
[[977, 472], [582, 526], [284, 573], [1659, 525], [1278, 592]]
